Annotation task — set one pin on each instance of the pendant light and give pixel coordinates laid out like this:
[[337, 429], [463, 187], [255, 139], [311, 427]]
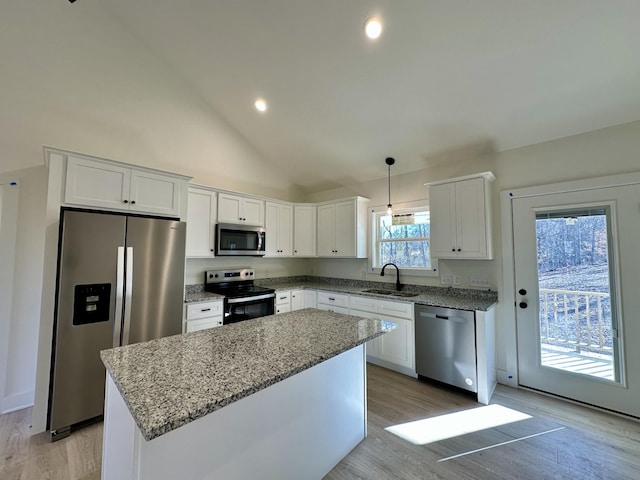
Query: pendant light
[[389, 161]]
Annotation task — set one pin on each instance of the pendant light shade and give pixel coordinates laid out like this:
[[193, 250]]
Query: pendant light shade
[[389, 161]]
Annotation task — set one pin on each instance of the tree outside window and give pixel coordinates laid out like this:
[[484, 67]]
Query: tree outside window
[[403, 238]]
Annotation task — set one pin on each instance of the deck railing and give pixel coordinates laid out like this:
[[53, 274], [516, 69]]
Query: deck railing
[[576, 319]]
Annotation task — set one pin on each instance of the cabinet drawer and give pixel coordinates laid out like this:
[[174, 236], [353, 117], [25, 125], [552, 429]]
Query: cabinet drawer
[[366, 304], [203, 323], [339, 300], [204, 309], [396, 309], [283, 298]]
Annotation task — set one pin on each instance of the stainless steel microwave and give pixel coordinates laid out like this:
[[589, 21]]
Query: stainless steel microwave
[[239, 240]]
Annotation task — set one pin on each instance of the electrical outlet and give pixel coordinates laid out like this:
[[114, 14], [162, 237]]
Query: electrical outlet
[[456, 280], [477, 281], [446, 279]]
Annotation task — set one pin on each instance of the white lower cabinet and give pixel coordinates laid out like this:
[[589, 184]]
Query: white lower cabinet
[[283, 301], [333, 302], [292, 300], [394, 350], [310, 298], [297, 300], [201, 315]]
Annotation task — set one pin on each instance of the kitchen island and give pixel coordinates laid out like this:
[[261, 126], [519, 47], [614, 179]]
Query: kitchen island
[[276, 397]]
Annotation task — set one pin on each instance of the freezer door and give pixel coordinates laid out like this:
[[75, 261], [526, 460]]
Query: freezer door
[[85, 314], [155, 279], [446, 346]]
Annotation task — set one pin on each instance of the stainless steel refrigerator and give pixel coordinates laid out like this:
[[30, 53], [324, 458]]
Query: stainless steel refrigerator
[[120, 281]]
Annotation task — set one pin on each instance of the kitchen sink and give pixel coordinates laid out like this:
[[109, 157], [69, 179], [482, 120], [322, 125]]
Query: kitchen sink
[[395, 293]]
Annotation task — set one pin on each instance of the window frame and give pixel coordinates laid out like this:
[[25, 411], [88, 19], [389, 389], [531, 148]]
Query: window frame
[[376, 213]]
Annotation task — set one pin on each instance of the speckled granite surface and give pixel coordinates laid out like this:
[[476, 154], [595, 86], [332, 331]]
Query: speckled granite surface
[[172, 381], [462, 299], [202, 296]]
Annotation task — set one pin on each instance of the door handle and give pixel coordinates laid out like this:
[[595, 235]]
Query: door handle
[[117, 316], [128, 285]]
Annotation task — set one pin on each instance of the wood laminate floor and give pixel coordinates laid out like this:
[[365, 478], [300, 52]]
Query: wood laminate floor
[[560, 441]]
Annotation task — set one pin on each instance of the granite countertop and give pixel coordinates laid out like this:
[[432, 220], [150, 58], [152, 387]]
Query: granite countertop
[[200, 296], [459, 298], [169, 382]]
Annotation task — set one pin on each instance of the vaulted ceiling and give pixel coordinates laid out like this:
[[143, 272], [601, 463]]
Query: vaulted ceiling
[[447, 80]]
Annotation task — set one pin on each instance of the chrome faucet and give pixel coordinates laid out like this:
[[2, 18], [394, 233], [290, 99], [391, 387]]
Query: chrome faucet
[[398, 284]]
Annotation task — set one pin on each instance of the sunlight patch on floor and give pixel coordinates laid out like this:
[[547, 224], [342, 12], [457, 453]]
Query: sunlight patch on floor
[[428, 430]]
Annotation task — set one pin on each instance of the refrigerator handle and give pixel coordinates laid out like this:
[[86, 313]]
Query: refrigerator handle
[[127, 298], [117, 317]]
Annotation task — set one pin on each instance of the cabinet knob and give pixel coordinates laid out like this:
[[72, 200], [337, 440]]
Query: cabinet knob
[[522, 291], [133, 202], [453, 249], [459, 249], [125, 201], [523, 305]]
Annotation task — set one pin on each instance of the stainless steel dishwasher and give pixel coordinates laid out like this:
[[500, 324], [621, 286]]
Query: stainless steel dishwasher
[[446, 346]]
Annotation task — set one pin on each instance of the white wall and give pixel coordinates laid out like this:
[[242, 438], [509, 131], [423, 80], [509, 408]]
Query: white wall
[[21, 323], [73, 78], [264, 267]]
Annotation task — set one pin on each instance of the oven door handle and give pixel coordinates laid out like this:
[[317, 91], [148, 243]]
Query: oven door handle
[[232, 301]]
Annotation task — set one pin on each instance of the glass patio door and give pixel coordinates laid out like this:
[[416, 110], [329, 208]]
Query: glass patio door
[[577, 295]]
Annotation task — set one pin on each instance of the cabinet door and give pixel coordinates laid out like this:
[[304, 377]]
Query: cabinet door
[[471, 222], [345, 228], [304, 231], [252, 212], [279, 227], [97, 184], [229, 208], [272, 249], [397, 346], [442, 209], [326, 230], [201, 219], [373, 346], [297, 300], [155, 193], [310, 299]]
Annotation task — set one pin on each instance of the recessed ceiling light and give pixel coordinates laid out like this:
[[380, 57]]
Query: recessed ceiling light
[[261, 105], [373, 28]]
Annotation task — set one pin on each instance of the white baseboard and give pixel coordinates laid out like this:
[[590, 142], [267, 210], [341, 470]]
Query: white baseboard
[[17, 401]]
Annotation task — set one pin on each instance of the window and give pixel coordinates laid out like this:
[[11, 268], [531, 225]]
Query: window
[[404, 239]]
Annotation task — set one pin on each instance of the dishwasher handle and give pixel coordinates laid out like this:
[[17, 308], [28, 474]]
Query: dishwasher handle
[[442, 317]]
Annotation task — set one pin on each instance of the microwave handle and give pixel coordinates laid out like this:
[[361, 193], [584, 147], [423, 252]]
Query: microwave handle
[[259, 241]]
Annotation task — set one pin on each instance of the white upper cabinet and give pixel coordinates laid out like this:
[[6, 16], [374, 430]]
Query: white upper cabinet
[[240, 210], [342, 228], [279, 230], [201, 222], [304, 230], [461, 218], [114, 186]]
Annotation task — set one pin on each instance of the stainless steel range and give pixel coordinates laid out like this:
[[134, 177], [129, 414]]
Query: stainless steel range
[[242, 299]]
